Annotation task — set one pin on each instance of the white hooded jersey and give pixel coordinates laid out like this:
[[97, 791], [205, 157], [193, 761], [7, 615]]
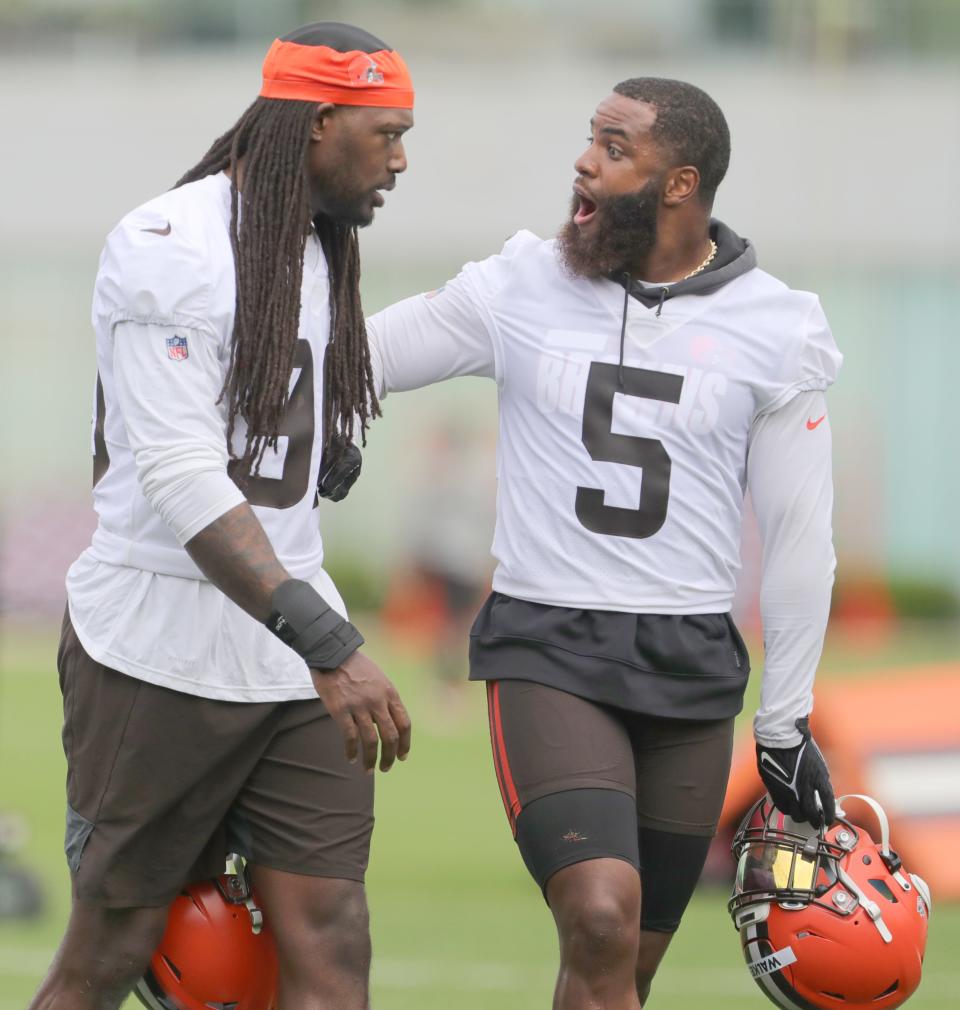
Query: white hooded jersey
[[619, 488], [163, 314], [621, 477]]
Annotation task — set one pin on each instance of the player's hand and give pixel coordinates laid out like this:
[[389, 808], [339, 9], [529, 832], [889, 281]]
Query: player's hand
[[339, 469], [368, 710], [798, 779]]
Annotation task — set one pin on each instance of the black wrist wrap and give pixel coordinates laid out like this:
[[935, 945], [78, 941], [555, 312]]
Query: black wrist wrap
[[310, 626]]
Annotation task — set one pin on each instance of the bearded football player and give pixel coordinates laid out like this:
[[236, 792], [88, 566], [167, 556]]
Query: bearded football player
[[649, 375], [215, 698]]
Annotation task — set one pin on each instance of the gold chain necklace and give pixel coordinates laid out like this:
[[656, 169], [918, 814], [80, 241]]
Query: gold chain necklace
[[705, 263]]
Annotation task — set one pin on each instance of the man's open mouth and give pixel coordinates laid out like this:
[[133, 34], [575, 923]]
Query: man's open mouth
[[586, 209]]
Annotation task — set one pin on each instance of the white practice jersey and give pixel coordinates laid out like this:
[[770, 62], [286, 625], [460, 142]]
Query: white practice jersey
[[163, 315], [614, 496], [620, 485]]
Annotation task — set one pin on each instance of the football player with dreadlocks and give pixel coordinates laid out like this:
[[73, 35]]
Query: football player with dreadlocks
[[649, 373], [215, 697]]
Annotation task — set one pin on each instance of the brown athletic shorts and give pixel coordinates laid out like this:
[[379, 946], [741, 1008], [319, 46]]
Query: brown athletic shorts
[[161, 785], [580, 780]]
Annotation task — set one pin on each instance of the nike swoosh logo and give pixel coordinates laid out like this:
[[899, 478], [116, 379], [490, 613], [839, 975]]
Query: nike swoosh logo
[[159, 231], [769, 762], [810, 424]]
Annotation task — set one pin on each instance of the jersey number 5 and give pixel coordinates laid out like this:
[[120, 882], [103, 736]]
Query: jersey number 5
[[632, 450]]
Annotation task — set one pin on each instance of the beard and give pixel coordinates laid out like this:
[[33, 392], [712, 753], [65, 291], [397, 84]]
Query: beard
[[624, 232], [341, 200]]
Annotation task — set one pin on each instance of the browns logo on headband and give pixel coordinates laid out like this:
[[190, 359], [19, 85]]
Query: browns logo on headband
[[331, 62]]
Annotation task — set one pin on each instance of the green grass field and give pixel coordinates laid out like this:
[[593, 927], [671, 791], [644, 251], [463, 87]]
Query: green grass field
[[456, 921]]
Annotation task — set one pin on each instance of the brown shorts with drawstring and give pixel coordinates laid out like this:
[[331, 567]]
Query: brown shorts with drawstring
[[161, 785]]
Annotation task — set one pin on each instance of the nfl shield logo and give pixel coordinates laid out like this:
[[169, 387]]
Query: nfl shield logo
[[177, 348]]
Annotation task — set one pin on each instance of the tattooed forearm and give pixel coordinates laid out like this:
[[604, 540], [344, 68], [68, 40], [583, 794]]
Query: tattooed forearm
[[236, 556]]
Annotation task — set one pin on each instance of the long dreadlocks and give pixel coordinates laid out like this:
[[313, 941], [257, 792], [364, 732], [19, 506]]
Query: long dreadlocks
[[269, 239]]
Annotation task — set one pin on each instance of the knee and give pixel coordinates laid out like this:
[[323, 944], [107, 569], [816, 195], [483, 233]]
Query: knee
[[349, 923], [345, 916], [600, 930], [326, 933]]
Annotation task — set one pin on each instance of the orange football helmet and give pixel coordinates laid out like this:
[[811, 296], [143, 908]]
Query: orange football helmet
[[216, 951], [827, 918]]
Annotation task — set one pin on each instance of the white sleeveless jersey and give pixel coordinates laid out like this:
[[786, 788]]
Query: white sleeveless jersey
[[620, 487], [169, 265]]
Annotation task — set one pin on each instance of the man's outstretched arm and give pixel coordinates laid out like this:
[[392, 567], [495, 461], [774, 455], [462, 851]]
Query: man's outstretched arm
[[428, 338], [448, 332]]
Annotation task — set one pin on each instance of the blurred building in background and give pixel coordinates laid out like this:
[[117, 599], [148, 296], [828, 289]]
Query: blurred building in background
[[846, 148]]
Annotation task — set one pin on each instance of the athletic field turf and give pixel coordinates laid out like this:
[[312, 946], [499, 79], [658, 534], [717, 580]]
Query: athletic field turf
[[456, 922]]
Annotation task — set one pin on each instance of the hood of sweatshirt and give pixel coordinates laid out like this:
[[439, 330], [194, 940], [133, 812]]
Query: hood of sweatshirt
[[735, 256]]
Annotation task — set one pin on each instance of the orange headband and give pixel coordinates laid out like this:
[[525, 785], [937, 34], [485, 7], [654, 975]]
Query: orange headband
[[322, 74]]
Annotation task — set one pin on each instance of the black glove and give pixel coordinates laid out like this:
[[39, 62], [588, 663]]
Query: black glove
[[339, 470], [796, 776]]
